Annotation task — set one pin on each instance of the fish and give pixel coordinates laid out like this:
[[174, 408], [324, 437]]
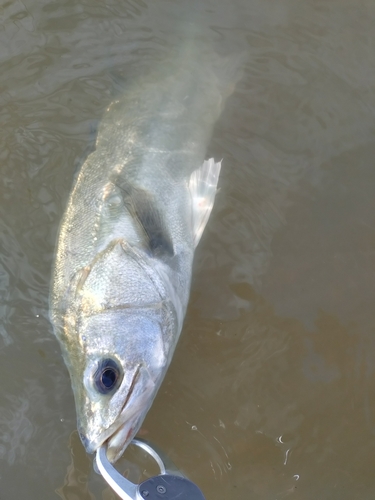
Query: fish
[[123, 264]]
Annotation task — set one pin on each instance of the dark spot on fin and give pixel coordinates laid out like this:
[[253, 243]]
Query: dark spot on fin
[[142, 206]]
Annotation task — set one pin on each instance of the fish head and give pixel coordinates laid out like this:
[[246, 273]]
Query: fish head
[[116, 372]]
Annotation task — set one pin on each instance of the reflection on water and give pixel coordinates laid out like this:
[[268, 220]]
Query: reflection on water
[[270, 391], [16, 428]]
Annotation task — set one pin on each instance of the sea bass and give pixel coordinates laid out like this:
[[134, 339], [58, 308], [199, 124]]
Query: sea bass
[[125, 249]]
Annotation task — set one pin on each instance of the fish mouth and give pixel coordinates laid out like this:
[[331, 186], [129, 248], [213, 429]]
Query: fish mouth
[[136, 404], [121, 438]]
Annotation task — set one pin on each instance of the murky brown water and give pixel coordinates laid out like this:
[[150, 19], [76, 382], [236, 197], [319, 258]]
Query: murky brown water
[[270, 394]]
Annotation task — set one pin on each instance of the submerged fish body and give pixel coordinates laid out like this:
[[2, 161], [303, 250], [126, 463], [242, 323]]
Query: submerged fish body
[[125, 250]]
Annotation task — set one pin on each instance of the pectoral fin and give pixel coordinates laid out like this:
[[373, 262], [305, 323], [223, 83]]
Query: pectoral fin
[[203, 186]]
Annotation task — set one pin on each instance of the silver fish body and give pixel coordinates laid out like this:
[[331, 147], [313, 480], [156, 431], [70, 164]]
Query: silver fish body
[[125, 249]]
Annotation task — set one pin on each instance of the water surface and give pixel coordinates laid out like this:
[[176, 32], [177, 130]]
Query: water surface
[[270, 393]]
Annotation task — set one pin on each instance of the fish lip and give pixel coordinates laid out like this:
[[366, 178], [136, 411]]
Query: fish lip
[[92, 445], [116, 449]]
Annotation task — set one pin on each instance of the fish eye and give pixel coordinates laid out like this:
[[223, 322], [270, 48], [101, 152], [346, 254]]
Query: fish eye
[[107, 376]]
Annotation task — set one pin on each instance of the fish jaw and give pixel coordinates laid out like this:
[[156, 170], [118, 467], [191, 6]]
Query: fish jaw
[[141, 393], [135, 410], [117, 440], [121, 439]]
